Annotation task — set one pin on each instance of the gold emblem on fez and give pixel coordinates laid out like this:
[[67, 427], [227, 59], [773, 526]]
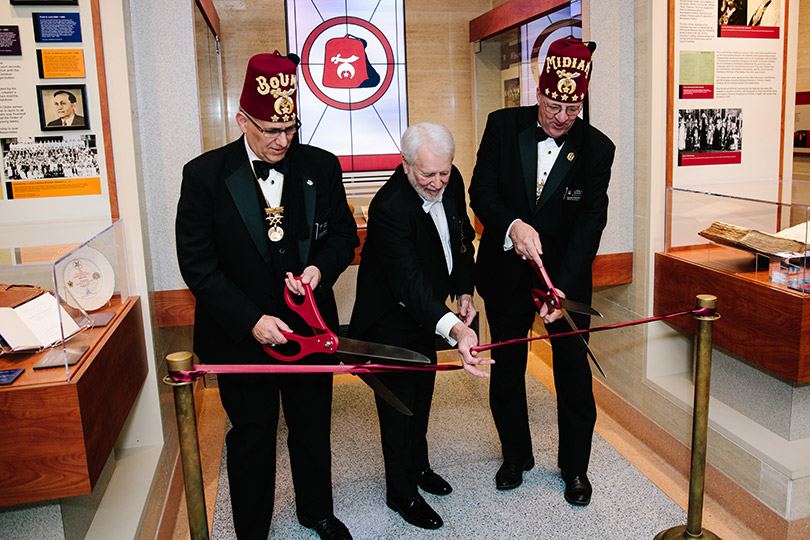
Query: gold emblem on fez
[[566, 84]]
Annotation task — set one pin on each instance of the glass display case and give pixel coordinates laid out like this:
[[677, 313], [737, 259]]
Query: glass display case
[[754, 237], [60, 281], [750, 252]]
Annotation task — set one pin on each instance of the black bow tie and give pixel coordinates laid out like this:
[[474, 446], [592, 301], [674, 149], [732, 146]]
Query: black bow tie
[[262, 168], [541, 135]]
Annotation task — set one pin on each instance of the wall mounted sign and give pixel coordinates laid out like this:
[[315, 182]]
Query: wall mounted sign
[[60, 63], [10, 41], [57, 27], [352, 86]]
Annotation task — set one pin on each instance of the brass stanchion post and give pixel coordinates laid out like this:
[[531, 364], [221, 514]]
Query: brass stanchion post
[[700, 426], [189, 445]]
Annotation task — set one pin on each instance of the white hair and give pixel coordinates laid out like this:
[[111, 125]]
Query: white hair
[[436, 136]]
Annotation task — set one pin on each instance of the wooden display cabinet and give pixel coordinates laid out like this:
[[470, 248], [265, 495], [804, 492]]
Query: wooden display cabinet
[[57, 434]]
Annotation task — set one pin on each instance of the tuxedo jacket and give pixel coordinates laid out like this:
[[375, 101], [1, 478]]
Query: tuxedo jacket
[[569, 216], [234, 271], [403, 278], [77, 121]]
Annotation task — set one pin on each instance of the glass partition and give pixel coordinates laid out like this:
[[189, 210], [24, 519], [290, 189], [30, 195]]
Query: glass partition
[[755, 238]]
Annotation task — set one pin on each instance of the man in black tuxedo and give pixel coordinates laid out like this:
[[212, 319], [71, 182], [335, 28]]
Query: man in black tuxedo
[[418, 250], [252, 215], [540, 189]]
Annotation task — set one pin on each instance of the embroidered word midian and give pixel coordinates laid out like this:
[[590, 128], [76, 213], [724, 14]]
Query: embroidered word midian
[[556, 62]]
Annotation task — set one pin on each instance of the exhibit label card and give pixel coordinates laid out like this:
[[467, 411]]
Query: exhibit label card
[[57, 28], [10, 41], [61, 63]]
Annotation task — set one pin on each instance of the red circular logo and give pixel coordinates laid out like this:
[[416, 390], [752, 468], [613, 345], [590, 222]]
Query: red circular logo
[[305, 65]]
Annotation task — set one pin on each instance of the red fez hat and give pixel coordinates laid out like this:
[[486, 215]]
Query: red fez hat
[[564, 76], [269, 90]]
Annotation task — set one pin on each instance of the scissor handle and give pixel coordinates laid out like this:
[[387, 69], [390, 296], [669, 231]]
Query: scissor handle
[[325, 341], [541, 298], [320, 343], [307, 309], [551, 296]]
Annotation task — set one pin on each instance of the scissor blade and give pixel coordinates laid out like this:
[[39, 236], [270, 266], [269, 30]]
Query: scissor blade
[[367, 349], [587, 348], [578, 307], [384, 392]]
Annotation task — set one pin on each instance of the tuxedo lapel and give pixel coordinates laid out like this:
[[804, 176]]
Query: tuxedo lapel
[[453, 223], [567, 158], [310, 199], [241, 185], [528, 160]]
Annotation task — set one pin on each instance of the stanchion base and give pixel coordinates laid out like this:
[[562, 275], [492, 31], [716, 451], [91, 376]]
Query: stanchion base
[[679, 533]]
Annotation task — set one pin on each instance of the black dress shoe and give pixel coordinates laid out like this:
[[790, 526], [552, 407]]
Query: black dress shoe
[[577, 488], [330, 528], [510, 475], [416, 512], [433, 483]]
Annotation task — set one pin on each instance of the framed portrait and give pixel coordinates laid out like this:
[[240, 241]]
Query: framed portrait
[[62, 107]]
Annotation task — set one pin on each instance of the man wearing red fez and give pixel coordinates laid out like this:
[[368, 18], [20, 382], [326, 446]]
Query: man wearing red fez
[[540, 189], [251, 216]]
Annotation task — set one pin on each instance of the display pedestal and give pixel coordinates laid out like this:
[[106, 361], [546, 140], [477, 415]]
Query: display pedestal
[[764, 322], [57, 435]]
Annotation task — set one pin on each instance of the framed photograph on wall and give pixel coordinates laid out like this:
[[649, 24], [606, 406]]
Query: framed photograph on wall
[[62, 107]]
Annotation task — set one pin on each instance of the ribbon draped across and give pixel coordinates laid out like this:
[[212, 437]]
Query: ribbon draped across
[[198, 370]]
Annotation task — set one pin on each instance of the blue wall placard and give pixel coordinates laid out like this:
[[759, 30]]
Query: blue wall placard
[[57, 28]]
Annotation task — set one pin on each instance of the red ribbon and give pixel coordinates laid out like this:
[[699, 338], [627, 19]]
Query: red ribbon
[[198, 370], [696, 311]]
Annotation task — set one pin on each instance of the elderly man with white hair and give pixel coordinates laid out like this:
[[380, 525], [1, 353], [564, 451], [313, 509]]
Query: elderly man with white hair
[[418, 251]]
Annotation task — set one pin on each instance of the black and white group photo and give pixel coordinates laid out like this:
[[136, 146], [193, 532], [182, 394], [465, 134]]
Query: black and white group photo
[[709, 130], [36, 158]]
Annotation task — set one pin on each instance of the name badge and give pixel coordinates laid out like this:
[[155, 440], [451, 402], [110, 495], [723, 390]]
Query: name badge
[[572, 194], [320, 230]]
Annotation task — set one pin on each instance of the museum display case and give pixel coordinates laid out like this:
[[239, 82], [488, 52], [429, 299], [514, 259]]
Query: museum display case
[[751, 253], [74, 346]]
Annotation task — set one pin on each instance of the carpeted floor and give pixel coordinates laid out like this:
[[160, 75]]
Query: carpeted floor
[[465, 451]]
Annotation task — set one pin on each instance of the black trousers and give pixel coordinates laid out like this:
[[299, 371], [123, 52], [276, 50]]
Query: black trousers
[[404, 438], [576, 408], [252, 404]]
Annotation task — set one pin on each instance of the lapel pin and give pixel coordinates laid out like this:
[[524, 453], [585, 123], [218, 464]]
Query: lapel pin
[[571, 156], [309, 182]]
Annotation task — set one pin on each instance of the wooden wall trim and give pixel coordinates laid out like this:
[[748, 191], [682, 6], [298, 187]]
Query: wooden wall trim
[[210, 14], [176, 307], [106, 130], [612, 269], [508, 15]]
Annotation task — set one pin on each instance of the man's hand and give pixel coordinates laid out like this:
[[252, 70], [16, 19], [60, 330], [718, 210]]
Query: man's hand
[[551, 316], [466, 340], [526, 242], [466, 309], [267, 331], [311, 276]]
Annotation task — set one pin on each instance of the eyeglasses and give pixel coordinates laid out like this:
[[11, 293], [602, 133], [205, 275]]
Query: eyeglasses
[[554, 110], [274, 133]]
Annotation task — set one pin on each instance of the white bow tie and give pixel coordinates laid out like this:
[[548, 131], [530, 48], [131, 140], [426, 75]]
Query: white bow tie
[[427, 205]]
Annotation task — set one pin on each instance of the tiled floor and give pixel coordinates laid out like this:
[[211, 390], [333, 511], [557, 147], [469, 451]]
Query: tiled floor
[[636, 494]]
